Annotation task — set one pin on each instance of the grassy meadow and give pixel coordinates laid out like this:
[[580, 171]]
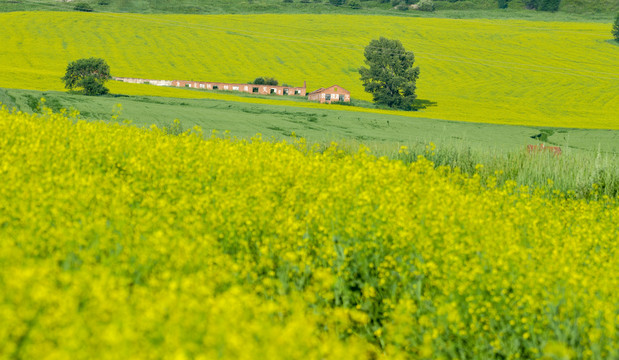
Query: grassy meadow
[[128, 242], [558, 74], [599, 10], [587, 168]]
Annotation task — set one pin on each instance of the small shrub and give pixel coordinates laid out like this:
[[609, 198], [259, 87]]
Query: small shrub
[[337, 2], [175, 128], [103, 2], [543, 5], [426, 5], [265, 81], [288, 1], [615, 30], [33, 103], [531, 4], [503, 4], [549, 5], [83, 7], [402, 7], [38, 105], [355, 4]]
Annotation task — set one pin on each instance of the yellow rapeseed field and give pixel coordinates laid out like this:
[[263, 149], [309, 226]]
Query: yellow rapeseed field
[[499, 71], [119, 242]]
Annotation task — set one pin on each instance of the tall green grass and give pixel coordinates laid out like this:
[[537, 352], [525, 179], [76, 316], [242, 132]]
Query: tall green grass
[[573, 174]]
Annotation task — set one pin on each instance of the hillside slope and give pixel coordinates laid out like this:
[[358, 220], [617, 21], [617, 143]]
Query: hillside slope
[[512, 72], [125, 243], [383, 7]]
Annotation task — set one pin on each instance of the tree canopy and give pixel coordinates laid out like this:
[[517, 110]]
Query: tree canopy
[[265, 81], [390, 77], [89, 74]]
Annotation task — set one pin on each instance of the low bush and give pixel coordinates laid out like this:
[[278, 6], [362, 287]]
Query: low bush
[[83, 7], [615, 30], [426, 5], [355, 4]]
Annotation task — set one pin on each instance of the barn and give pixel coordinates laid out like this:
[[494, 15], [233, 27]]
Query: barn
[[334, 93]]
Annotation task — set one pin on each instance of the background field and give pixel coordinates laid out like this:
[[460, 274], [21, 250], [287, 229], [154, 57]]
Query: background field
[[383, 133], [569, 9], [590, 157], [496, 71]]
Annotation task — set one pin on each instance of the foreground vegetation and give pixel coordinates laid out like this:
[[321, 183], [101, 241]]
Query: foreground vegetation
[[499, 71], [122, 242]]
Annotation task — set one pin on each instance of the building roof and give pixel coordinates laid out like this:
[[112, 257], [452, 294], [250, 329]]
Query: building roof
[[316, 91], [321, 90]]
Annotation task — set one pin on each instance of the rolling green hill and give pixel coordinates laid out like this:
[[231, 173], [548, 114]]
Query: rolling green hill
[[589, 156], [497, 71], [593, 9]]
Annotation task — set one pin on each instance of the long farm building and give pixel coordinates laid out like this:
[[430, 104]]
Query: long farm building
[[207, 85], [331, 94]]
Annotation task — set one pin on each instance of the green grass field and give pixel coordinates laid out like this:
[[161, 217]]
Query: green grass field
[[383, 132], [598, 10], [495, 71], [589, 157]]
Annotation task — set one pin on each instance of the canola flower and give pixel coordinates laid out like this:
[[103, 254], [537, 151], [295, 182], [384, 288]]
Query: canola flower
[[536, 73], [123, 242]]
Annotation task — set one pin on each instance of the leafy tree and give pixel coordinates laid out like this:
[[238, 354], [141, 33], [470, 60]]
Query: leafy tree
[[503, 4], [544, 5], [89, 74], [391, 77], [265, 81], [426, 5], [355, 4], [616, 28], [83, 7], [549, 5]]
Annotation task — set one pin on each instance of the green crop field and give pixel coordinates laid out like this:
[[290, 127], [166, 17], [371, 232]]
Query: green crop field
[[495, 71], [590, 156]]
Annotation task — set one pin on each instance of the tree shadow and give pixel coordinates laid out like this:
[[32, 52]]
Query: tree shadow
[[419, 104]]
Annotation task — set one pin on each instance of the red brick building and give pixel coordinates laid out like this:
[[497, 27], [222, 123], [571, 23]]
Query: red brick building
[[248, 88], [334, 93]]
